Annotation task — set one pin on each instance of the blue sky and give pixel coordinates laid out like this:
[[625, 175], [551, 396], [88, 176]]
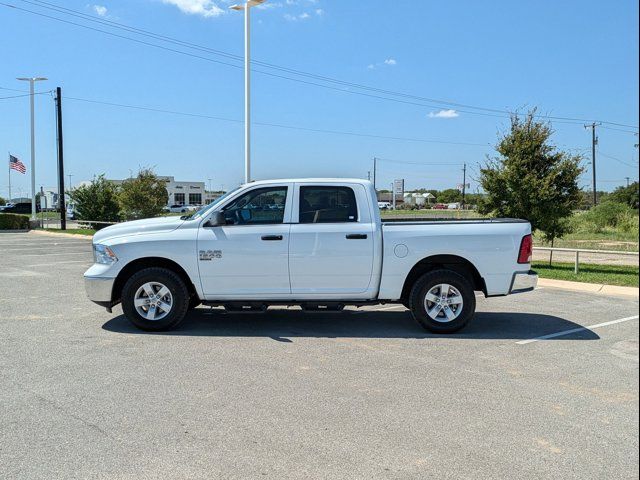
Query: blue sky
[[576, 59]]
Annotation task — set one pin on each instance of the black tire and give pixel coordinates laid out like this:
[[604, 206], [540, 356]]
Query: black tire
[[431, 280], [194, 302], [179, 294]]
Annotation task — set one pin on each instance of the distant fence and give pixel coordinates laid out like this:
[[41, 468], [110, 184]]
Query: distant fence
[[578, 251]]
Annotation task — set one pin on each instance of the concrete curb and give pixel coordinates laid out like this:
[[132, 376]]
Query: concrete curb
[[60, 234], [597, 288]]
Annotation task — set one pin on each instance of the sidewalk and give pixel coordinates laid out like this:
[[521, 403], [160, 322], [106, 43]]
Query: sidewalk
[[600, 289]]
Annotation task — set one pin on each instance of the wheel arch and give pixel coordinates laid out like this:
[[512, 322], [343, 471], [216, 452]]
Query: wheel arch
[[448, 262], [147, 262]]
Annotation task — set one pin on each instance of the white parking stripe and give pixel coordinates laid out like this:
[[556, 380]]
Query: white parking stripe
[[52, 254], [63, 262], [574, 330]]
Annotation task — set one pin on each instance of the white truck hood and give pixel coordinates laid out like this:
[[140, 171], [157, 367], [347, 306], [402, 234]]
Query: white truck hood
[[138, 227]]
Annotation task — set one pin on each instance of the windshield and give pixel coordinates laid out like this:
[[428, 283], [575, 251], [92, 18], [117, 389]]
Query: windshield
[[206, 208]]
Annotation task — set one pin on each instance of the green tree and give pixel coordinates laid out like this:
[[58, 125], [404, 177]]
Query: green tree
[[2, 201], [96, 201], [531, 179], [143, 196], [450, 195], [628, 195]]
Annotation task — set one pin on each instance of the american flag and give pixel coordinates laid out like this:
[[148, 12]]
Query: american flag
[[16, 164]]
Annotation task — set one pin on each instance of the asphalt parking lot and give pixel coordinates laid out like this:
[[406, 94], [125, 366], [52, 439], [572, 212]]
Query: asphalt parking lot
[[360, 394]]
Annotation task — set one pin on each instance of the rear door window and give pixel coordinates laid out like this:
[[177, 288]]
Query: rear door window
[[327, 205]]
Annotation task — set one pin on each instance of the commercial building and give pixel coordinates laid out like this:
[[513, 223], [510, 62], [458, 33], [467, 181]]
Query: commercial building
[[184, 193]]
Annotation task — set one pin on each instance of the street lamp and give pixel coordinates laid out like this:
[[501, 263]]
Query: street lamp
[[246, 6], [32, 81]]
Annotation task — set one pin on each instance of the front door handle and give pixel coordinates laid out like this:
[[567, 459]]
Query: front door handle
[[271, 237], [357, 236]]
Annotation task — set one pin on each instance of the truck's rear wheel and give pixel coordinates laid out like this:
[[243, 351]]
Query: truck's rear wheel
[[442, 301], [155, 299]]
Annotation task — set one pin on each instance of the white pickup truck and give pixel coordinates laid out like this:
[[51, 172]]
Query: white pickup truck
[[316, 243]]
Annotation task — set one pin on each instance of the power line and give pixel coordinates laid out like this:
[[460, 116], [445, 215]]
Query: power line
[[276, 125], [147, 33], [110, 23], [617, 159], [619, 130], [16, 96], [342, 90], [419, 163]]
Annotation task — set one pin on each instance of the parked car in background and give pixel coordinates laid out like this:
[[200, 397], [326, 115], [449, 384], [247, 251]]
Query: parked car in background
[[323, 247], [177, 208], [384, 205], [439, 206], [22, 207], [181, 208]]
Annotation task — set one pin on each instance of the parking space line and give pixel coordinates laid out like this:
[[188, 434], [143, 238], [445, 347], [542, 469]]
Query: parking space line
[[61, 250], [574, 330], [65, 262], [52, 254]]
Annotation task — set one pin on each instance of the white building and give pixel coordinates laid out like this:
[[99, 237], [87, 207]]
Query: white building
[[184, 193], [417, 198], [48, 200]]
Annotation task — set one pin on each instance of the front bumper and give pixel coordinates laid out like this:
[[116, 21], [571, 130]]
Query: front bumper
[[523, 282], [99, 289]]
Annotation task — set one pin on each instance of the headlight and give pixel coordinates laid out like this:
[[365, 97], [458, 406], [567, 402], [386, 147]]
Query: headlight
[[103, 254]]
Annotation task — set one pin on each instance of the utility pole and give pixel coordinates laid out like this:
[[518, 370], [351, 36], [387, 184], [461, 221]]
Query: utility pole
[[70, 175], [369, 175], [594, 142], [627, 181], [61, 199], [464, 183]]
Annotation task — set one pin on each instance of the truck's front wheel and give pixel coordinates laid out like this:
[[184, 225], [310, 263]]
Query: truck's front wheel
[[155, 299], [442, 301]]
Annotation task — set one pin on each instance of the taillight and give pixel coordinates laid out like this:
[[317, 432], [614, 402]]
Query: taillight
[[526, 249]]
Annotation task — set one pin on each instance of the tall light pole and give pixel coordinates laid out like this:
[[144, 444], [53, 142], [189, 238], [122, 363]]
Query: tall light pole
[[246, 6], [70, 175], [32, 81]]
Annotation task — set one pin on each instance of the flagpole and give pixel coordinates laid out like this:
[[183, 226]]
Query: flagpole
[[9, 177]]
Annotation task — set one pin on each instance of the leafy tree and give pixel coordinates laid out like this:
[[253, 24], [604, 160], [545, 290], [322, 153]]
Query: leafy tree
[[143, 196], [627, 195], [450, 195], [96, 201], [2, 201], [531, 179]]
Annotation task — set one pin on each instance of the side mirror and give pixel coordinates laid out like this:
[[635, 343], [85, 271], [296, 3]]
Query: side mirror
[[217, 219]]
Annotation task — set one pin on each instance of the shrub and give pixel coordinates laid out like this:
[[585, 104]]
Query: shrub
[[143, 196], [606, 216], [11, 221], [96, 201]]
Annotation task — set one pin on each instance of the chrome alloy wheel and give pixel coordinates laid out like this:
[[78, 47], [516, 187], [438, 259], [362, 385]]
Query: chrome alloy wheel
[[443, 303], [153, 301]]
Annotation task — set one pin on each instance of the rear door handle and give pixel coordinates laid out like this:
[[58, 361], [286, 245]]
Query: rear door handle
[[357, 236], [271, 237]]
